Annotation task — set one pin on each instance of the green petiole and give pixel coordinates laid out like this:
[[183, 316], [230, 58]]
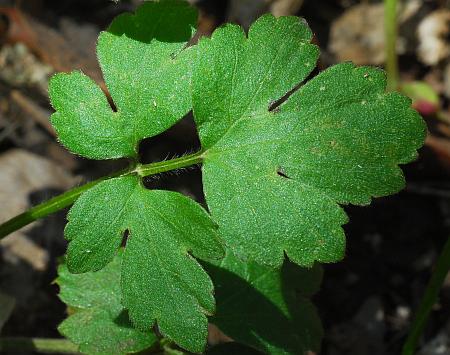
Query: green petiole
[[66, 199]]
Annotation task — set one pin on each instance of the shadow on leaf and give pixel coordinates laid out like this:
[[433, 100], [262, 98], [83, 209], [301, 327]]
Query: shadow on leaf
[[167, 22], [123, 320], [266, 308]]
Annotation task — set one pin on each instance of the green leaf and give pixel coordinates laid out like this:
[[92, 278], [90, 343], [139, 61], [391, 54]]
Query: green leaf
[[147, 72], [161, 282], [238, 78], [278, 160], [266, 308], [274, 177], [99, 324]]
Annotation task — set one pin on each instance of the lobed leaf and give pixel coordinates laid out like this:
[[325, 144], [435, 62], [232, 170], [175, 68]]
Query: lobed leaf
[[147, 72], [161, 282], [99, 323], [266, 308], [275, 174], [279, 160]]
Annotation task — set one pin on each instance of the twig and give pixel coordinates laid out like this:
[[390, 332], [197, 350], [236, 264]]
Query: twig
[[37, 113]]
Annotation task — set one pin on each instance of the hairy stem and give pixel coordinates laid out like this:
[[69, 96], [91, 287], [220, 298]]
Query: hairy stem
[[390, 26], [429, 299], [40, 345], [169, 165], [69, 197]]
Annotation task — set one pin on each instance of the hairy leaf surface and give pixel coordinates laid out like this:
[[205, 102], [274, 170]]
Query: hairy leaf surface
[[274, 172], [98, 322], [161, 281], [147, 72], [266, 308], [279, 158]]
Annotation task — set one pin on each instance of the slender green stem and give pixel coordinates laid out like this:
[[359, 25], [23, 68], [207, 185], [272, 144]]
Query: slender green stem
[[69, 197], [46, 208], [390, 26], [10, 345], [429, 299], [168, 165]]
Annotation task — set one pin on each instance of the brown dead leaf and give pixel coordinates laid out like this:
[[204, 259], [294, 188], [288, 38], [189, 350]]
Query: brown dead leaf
[[285, 7], [48, 44], [358, 34], [216, 336], [433, 35]]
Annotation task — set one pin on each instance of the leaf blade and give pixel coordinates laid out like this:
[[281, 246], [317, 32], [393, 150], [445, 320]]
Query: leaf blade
[[84, 121], [235, 86], [366, 135], [99, 324], [274, 179], [150, 85], [266, 308], [147, 71], [161, 282]]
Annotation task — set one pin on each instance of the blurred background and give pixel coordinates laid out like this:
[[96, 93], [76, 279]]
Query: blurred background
[[368, 300]]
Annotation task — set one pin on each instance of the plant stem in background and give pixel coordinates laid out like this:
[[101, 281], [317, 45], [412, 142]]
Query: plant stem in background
[[428, 301], [40, 345], [390, 25], [69, 197]]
